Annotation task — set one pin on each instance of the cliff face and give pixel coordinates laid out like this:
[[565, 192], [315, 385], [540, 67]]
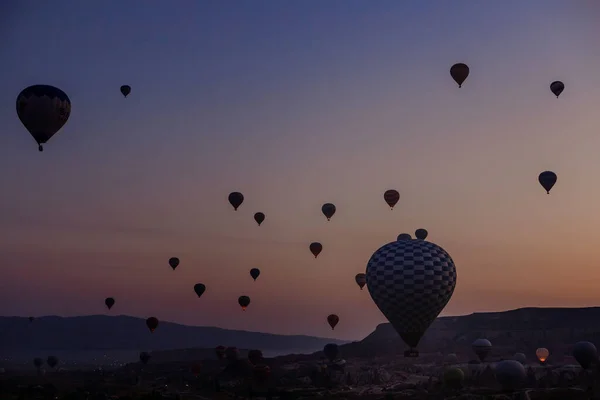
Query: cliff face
[[521, 330]]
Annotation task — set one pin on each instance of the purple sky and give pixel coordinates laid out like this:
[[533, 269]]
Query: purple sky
[[297, 103]]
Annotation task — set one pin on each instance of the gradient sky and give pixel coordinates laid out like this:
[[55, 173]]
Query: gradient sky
[[297, 103]]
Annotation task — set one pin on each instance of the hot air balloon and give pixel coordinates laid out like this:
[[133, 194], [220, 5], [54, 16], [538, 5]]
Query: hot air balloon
[[404, 236], [520, 357], [173, 262], [244, 301], [52, 361], [261, 373], [236, 199], [145, 357], [255, 356], [510, 374], [31, 319], [331, 351], [482, 347], [315, 248], [255, 273], [585, 353], [542, 354], [421, 234], [125, 90], [259, 218], [43, 110], [391, 197], [459, 73], [38, 362], [411, 281], [451, 359], [109, 302], [232, 353], [328, 210], [152, 324], [547, 179], [333, 320], [220, 352], [199, 288], [454, 377], [361, 280], [557, 88]]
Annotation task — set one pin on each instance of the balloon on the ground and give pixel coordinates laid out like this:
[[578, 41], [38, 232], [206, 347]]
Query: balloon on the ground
[[255, 356], [510, 374], [411, 281], [585, 353], [220, 352], [43, 110], [482, 347], [454, 377], [451, 359]]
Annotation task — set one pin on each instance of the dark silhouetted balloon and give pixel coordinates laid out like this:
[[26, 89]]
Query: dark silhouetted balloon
[[510, 374], [542, 354], [331, 351], [255, 356], [404, 236], [391, 197], [244, 301], [328, 210], [173, 262], [125, 90], [236, 199], [459, 73], [557, 88], [482, 347], [31, 319], [199, 288], [421, 234], [259, 218], [333, 320], [261, 373], [316, 248], [109, 302], [52, 361], [547, 179], [152, 324], [454, 377], [43, 110], [255, 273], [361, 280], [220, 352], [585, 353], [144, 357]]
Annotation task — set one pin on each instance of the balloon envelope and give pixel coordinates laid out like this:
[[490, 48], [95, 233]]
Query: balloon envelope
[[236, 199], [459, 73], [199, 288], [557, 88], [43, 110], [259, 218], [510, 374], [482, 347], [421, 234], [331, 351], [411, 281], [361, 280], [152, 323], [109, 302], [404, 236], [255, 273], [333, 320], [315, 248], [585, 353], [328, 210], [174, 262], [125, 90], [542, 354], [391, 197], [244, 301]]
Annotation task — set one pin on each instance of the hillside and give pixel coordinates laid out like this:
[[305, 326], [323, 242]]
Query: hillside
[[99, 334], [521, 330]]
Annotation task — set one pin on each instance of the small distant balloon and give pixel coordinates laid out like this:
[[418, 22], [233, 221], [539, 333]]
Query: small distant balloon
[[361, 280], [404, 236], [328, 210], [459, 73], [173, 262], [236, 199], [421, 234], [547, 179], [43, 110], [244, 301], [542, 354], [391, 197], [482, 347], [109, 302], [144, 357], [315, 248], [333, 320], [125, 90], [259, 218], [557, 88], [152, 324], [255, 273], [31, 319], [52, 361], [199, 288]]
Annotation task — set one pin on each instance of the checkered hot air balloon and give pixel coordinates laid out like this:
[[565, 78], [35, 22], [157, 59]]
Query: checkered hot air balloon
[[411, 281]]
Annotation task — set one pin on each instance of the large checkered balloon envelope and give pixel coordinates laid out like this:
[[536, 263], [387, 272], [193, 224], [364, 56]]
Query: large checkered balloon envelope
[[411, 281]]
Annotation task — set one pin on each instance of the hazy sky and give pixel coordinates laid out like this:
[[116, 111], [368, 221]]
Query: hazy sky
[[297, 103]]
